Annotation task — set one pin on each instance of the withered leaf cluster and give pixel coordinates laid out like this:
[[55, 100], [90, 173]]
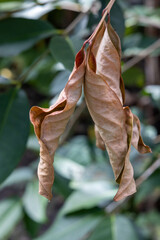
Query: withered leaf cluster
[[116, 128]]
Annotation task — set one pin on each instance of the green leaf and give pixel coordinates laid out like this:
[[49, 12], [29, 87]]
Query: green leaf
[[134, 43], [63, 51], [15, 1], [42, 75], [154, 91], [31, 226], [114, 228], [11, 214], [14, 129], [7, 6], [19, 176], [65, 170], [149, 223], [143, 16], [22, 34], [59, 82], [90, 196], [32, 144], [77, 42], [102, 231], [73, 150], [134, 77], [34, 204], [72, 227], [117, 20], [68, 168], [97, 172]]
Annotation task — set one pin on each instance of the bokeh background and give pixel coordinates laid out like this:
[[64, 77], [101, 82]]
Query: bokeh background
[[38, 43]]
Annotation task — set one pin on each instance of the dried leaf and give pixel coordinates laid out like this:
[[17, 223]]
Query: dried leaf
[[49, 124], [134, 138], [137, 140], [108, 59], [127, 184], [106, 111], [116, 128], [104, 94], [105, 55]]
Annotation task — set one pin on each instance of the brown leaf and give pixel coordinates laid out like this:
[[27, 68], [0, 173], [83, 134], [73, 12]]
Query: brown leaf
[[127, 184], [116, 128], [108, 59], [107, 49], [106, 111], [104, 98], [49, 124], [137, 140]]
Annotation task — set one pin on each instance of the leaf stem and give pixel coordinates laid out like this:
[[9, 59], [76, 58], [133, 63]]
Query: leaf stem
[[24, 75], [105, 12]]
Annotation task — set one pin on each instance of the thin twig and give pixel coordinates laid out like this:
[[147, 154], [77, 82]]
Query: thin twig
[[75, 22], [106, 11], [23, 77], [149, 22], [148, 172], [113, 206], [143, 54]]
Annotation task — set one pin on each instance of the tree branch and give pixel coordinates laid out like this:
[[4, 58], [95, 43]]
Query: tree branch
[[113, 206], [143, 54], [24, 75]]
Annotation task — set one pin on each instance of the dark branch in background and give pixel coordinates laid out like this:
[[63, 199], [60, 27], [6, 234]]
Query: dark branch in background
[[142, 54], [75, 22], [23, 77], [148, 172], [114, 206], [147, 21]]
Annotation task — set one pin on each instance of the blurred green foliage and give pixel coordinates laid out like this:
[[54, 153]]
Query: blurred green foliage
[[36, 57]]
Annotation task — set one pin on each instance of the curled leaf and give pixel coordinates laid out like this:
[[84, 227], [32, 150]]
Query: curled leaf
[[137, 140], [107, 113], [108, 60], [49, 124], [115, 126], [126, 179]]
